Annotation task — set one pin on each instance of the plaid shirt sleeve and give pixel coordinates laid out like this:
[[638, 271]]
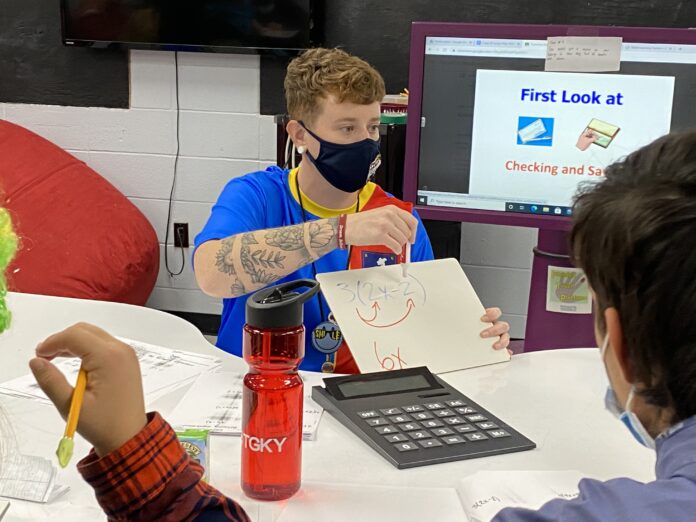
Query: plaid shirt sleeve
[[151, 477]]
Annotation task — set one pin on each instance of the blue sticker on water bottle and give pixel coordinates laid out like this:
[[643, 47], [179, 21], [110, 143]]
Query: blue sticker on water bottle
[[327, 337]]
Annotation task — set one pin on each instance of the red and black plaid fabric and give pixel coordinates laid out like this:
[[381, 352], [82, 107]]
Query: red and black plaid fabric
[[151, 477]]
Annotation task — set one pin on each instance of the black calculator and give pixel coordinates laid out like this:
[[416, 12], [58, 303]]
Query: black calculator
[[413, 418]]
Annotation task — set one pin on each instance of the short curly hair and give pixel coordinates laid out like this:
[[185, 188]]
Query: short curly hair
[[318, 73]]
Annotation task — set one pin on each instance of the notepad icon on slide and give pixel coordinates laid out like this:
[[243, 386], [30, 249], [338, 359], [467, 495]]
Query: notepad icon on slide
[[603, 132], [532, 130]]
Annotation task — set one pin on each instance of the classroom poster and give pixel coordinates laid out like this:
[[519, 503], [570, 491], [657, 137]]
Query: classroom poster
[[567, 291]]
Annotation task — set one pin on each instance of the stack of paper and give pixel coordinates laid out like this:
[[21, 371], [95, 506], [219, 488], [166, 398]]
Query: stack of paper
[[163, 370], [485, 493], [214, 403], [29, 478]]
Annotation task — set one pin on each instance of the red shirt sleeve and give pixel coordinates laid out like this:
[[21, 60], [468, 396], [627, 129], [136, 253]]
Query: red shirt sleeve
[[151, 477]]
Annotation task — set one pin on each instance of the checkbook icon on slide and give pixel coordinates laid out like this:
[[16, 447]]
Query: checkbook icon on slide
[[532, 131]]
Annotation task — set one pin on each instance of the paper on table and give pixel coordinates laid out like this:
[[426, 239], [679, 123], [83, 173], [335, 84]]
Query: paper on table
[[583, 53], [348, 502], [162, 370], [485, 493], [3, 508], [431, 318], [214, 402], [29, 478]]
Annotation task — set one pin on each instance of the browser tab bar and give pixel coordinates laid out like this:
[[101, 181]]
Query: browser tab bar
[[536, 49]]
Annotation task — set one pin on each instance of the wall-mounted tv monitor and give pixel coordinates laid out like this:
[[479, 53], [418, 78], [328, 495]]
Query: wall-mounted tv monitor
[[494, 138], [245, 26]]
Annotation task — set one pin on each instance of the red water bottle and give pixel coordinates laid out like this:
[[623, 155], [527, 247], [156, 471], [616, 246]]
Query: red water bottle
[[274, 341]]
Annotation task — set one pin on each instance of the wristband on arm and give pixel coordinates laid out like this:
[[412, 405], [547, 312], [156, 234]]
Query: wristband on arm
[[341, 231]]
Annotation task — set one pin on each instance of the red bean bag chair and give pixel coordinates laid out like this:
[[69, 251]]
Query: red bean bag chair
[[79, 236]]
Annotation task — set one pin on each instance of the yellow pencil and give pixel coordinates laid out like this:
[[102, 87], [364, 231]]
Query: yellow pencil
[[65, 447]]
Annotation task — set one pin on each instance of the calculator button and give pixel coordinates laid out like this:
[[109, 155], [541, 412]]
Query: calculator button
[[455, 403], [391, 411], [476, 418], [411, 409], [430, 443], [496, 434], [474, 437], [487, 425], [453, 439], [406, 446], [383, 430], [401, 418], [434, 405], [397, 437], [444, 413], [454, 420], [466, 410], [377, 422], [368, 414], [431, 424], [441, 432], [409, 426], [422, 416], [420, 434], [465, 428]]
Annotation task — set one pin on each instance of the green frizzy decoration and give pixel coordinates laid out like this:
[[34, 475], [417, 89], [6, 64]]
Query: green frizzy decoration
[[8, 247]]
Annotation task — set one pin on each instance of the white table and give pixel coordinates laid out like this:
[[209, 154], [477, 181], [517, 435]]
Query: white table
[[553, 397], [35, 317]]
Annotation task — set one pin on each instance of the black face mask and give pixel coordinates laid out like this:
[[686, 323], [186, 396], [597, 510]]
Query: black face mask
[[347, 167]]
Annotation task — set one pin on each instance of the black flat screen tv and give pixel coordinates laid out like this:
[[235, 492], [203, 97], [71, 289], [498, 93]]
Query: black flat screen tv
[[235, 26]]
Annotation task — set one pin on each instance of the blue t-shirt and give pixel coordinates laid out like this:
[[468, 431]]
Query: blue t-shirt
[[262, 200]]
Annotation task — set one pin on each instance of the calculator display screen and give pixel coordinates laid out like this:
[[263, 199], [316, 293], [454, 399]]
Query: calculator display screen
[[389, 385]]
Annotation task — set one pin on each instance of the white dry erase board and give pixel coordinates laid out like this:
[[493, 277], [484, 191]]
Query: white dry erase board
[[430, 318]]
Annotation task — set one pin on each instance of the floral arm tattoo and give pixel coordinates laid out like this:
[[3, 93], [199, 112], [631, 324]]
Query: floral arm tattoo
[[224, 262], [257, 259]]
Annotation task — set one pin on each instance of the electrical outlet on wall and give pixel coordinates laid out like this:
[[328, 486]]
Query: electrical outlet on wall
[[181, 237]]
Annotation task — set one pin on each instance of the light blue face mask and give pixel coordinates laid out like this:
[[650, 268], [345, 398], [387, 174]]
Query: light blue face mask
[[625, 415]]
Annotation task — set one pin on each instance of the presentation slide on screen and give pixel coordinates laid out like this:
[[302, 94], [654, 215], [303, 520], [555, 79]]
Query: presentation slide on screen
[[536, 135]]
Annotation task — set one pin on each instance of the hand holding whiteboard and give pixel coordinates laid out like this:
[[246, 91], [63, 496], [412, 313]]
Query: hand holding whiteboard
[[431, 318]]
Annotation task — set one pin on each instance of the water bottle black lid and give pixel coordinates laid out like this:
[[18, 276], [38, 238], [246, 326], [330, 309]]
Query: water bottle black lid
[[280, 306]]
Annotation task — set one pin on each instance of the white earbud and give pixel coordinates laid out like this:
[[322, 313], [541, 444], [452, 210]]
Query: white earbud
[[301, 149]]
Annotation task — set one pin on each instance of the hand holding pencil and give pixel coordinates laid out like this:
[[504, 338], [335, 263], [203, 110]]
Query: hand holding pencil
[[113, 408], [65, 447]]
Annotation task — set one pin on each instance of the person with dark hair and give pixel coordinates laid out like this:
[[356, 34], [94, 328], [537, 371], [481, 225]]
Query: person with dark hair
[[633, 235]]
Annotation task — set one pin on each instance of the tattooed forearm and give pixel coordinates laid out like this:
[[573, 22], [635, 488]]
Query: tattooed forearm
[[224, 260], [237, 288], [267, 259], [286, 238], [224, 257], [321, 233], [252, 260]]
